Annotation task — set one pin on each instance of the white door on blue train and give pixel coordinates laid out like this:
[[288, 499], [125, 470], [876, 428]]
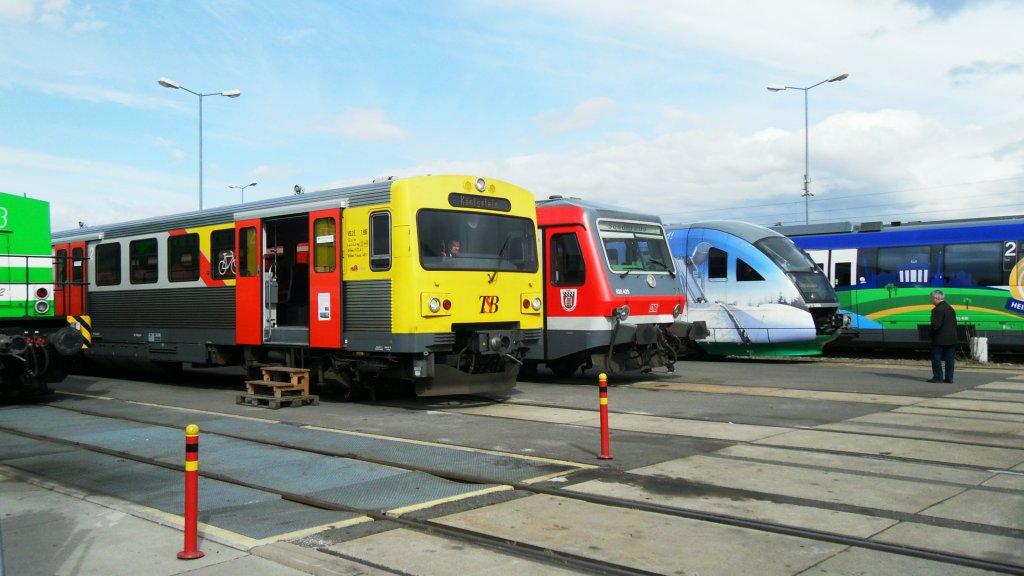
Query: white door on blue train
[[839, 265]]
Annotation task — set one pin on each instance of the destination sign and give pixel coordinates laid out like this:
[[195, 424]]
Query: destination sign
[[459, 200], [635, 227]]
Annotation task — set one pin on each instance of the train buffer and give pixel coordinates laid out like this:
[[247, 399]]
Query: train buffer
[[281, 386]]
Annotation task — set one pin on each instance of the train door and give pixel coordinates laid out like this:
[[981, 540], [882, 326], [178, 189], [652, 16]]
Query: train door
[[249, 305], [69, 279], [323, 257], [842, 267], [566, 275]]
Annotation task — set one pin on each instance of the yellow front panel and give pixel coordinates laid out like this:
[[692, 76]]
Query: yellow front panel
[[475, 296]]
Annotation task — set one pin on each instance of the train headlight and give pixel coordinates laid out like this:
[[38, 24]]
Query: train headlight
[[622, 312], [447, 304], [42, 307], [434, 305], [480, 184], [42, 293], [536, 303], [677, 310]]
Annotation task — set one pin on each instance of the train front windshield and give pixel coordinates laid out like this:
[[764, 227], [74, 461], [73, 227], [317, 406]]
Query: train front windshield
[[454, 240], [809, 279], [635, 247]]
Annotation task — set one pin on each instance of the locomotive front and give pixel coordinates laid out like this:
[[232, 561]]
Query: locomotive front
[[466, 282]]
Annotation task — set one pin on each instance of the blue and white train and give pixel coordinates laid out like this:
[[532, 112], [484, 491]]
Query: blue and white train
[[758, 293]]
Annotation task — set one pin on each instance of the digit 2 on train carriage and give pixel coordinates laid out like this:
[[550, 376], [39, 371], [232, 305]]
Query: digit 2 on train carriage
[[358, 284]]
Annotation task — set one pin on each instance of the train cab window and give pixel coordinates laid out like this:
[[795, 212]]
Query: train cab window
[[248, 252], [380, 241], [108, 264], [142, 260], [325, 232], [183, 258], [222, 248], [973, 264], [567, 265], [746, 273], [718, 264]]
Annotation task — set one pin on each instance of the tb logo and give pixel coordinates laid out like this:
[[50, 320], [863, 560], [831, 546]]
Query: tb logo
[[488, 304]]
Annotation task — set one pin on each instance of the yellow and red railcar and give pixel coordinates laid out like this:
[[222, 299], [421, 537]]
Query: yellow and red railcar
[[359, 284]]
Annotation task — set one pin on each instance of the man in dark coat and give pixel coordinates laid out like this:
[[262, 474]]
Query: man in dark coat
[[943, 333]]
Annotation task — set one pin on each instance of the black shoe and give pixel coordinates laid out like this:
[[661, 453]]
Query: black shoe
[[948, 381], [933, 380]]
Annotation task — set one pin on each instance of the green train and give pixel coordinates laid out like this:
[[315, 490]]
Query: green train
[[36, 339]]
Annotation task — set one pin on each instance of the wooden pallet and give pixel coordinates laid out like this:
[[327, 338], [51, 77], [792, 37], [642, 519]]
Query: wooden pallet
[[274, 403], [280, 382]]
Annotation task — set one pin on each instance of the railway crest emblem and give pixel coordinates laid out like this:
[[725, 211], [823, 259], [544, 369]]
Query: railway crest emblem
[[568, 299]]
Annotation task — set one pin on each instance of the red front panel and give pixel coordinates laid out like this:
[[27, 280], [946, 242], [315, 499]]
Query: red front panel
[[324, 258], [249, 282]]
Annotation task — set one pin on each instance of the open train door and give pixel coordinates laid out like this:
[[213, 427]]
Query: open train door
[[248, 282], [70, 279], [325, 279]]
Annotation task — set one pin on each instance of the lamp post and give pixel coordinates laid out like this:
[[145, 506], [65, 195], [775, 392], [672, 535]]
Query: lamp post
[[242, 188], [168, 83], [807, 162]]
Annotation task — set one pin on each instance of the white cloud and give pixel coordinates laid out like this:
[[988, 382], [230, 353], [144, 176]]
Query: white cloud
[[363, 124], [583, 116]]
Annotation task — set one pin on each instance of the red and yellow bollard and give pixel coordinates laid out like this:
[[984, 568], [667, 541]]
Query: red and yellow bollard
[[603, 393], [191, 550]]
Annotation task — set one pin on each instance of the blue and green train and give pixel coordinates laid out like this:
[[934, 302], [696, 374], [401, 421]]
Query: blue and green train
[[884, 274]]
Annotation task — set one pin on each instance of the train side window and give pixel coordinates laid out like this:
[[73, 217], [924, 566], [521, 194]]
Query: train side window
[[905, 265], [325, 232], [844, 274], [61, 266], [248, 252], [77, 265], [567, 265], [183, 258], [380, 241], [746, 273], [718, 264], [108, 264], [974, 264], [222, 248], [142, 260]]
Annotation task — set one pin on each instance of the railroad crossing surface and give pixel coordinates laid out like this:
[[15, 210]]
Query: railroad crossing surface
[[727, 468]]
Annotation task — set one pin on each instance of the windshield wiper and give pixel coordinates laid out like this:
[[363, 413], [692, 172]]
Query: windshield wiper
[[501, 254], [663, 265]]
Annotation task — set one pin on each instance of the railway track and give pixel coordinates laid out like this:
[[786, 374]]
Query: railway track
[[551, 555]]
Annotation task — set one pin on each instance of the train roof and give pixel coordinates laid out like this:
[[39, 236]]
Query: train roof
[[745, 230], [877, 235], [848, 227], [598, 209], [363, 194]]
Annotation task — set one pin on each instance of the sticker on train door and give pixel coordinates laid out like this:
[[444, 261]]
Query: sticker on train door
[[568, 297], [323, 305]]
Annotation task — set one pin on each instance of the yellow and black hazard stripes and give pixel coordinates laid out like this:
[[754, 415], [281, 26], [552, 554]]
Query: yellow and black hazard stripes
[[83, 324]]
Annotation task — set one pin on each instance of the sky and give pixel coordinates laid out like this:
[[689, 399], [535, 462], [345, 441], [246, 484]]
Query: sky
[[655, 105]]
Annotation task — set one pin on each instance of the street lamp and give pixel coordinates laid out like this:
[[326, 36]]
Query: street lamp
[[807, 171], [242, 188], [168, 83]]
